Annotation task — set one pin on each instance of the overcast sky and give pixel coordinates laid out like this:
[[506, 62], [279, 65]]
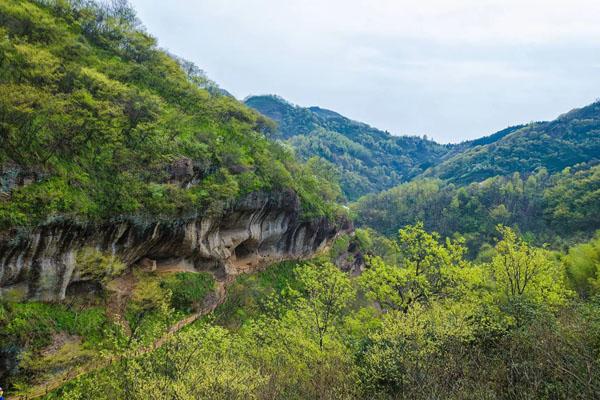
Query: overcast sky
[[451, 69]]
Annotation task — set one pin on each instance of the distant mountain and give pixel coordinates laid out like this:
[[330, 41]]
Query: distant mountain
[[370, 160], [571, 139]]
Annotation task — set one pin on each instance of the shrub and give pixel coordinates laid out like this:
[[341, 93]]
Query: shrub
[[188, 289]]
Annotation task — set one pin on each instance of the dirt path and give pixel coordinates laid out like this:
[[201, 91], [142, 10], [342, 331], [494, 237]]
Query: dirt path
[[212, 301], [120, 290]]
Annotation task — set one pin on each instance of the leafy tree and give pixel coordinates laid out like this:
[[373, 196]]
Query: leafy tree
[[583, 267], [520, 270], [324, 294], [426, 270]]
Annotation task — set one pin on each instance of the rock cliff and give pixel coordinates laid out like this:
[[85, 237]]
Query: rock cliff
[[257, 230]]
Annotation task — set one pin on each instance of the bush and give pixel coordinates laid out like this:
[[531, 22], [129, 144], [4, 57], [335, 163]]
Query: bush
[[188, 289]]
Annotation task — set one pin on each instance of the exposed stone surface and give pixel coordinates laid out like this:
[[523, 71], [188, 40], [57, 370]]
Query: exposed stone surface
[[351, 260], [258, 230], [182, 170], [12, 175]]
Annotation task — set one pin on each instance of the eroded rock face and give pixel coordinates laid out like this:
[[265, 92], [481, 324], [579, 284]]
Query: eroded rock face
[[256, 231]]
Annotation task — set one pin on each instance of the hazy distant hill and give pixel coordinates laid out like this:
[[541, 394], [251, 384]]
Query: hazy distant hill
[[570, 139], [370, 160]]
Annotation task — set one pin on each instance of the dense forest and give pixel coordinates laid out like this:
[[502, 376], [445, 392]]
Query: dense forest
[[100, 123], [374, 267], [547, 208], [570, 139], [368, 160], [420, 322]]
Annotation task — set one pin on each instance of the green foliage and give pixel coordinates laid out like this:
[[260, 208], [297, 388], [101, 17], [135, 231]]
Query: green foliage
[[305, 332], [570, 139], [319, 189], [49, 339], [96, 122], [325, 293], [204, 362], [426, 269], [269, 356], [148, 311], [94, 119], [368, 159], [551, 208], [33, 324], [97, 266], [372, 160], [188, 290], [583, 267], [401, 350], [249, 296], [572, 203], [520, 270]]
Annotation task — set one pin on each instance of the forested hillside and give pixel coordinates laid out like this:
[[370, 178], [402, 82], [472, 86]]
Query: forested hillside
[[97, 122], [131, 187], [160, 239], [420, 322], [545, 207], [368, 160], [570, 139], [541, 179]]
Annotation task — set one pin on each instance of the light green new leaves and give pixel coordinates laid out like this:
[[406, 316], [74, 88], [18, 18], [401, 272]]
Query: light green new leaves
[[520, 270], [325, 293], [427, 269]]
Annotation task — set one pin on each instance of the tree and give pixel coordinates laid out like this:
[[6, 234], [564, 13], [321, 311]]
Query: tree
[[325, 293], [425, 270], [583, 267], [520, 270]]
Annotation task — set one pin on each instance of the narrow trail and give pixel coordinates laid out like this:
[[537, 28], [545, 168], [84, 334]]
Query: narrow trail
[[212, 301]]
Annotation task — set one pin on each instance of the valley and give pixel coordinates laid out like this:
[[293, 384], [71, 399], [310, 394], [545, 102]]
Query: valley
[[161, 239]]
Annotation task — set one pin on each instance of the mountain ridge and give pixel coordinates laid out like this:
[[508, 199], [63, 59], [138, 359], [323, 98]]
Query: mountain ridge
[[368, 159], [358, 149]]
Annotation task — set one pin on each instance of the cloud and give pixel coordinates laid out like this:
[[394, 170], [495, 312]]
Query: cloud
[[468, 21]]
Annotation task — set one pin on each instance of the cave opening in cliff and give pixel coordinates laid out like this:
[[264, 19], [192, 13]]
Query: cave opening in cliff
[[246, 249], [79, 289]]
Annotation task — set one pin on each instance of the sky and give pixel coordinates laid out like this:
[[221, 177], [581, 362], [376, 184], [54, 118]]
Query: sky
[[449, 69]]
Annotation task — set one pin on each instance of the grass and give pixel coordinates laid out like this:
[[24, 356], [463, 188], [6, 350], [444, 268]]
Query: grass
[[32, 323], [56, 338]]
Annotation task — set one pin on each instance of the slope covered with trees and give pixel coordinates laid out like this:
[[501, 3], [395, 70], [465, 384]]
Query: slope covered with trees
[[428, 324], [545, 207], [97, 122], [570, 139], [446, 290], [368, 160]]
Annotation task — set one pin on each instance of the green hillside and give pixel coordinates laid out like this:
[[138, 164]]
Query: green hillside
[[463, 271], [548, 208], [570, 139], [97, 122], [368, 160], [541, 178]]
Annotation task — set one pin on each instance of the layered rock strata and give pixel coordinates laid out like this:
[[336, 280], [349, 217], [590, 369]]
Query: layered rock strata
[[256, 231]]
